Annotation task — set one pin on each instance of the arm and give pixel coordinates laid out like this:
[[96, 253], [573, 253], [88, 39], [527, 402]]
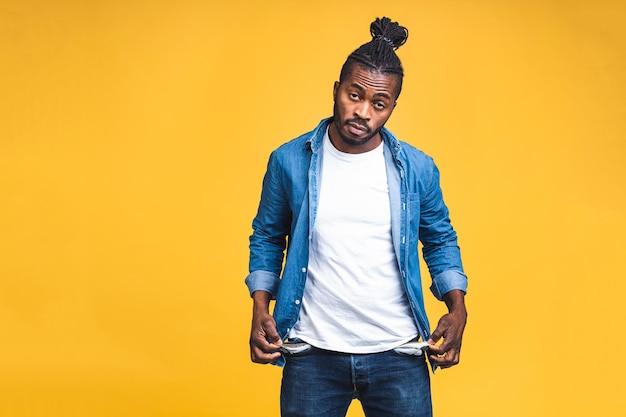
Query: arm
[[443, 257], [267, 245], [264, 339]]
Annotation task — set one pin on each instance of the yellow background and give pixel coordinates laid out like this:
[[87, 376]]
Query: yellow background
[[133, 139]]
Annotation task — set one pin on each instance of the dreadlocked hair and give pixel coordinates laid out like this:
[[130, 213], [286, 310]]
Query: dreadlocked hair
[[379, 53]]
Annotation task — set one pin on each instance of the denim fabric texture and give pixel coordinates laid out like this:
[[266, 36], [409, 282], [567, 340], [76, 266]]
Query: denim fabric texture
[[323, 383], [287, 211]]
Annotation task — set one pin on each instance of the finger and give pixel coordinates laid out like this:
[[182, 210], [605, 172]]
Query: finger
[[448, 344], [436, 350], [440, 362], [272, 333], [259, 341], [269, 331], [446, 359], [434, 337], [445, 345], [437, 334], [259, 356]]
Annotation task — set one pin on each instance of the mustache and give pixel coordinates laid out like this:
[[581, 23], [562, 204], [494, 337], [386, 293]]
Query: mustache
[[359, 122]]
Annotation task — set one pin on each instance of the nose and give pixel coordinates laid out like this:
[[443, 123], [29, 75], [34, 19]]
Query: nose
[[362, 110]]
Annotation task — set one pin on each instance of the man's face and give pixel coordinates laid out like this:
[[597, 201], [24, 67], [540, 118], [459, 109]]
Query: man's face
[[364, 101]]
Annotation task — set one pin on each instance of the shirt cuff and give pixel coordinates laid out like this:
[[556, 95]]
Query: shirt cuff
[[263, 281], [448, 281]]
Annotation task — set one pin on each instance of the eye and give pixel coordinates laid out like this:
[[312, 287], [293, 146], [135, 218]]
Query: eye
[[379, 105], [353, 96]]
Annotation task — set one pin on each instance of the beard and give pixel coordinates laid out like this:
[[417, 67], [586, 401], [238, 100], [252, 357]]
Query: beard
[[350, 140]]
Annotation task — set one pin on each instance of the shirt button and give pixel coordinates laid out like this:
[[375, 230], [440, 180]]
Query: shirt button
[[297, 302], [303, 269]]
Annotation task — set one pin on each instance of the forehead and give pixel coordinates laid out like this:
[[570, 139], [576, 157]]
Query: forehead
[[372, 81]]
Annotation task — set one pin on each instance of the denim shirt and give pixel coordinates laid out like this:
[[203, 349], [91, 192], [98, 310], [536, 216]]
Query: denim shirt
[[287, 211]]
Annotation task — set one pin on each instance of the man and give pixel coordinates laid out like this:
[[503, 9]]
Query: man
[[348, 202]]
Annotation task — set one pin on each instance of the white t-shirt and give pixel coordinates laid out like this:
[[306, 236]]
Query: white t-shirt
[[354, 300]]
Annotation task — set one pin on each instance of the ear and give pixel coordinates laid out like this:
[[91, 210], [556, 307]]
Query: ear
[[335, 88]]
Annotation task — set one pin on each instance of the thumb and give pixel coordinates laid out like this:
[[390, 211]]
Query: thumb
[[272, 333], [436, 335]]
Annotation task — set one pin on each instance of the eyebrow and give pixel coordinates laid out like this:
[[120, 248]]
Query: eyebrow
[[360, 88]]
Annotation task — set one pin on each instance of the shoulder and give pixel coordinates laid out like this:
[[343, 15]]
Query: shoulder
[[295, 145], [414, 155], [419, 168], [406, 153]]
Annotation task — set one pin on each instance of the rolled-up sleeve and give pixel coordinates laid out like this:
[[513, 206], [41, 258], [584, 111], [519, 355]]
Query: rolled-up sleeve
[[448, 281], [263, 281]]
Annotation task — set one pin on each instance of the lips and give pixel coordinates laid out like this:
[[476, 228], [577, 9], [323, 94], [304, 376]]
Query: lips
[[357, 128]]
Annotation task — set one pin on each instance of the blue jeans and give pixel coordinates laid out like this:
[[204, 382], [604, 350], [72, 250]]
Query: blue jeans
[[323, 383]]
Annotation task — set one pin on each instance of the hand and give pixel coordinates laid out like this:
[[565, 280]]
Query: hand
[[450, 328], [264, 338]]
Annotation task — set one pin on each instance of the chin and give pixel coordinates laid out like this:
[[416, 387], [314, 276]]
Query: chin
[[354, 141]]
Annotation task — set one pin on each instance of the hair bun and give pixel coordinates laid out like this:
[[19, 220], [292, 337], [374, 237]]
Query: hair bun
[[390, 32]]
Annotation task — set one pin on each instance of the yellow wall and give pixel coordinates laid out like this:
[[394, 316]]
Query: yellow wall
[[133, 139]]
